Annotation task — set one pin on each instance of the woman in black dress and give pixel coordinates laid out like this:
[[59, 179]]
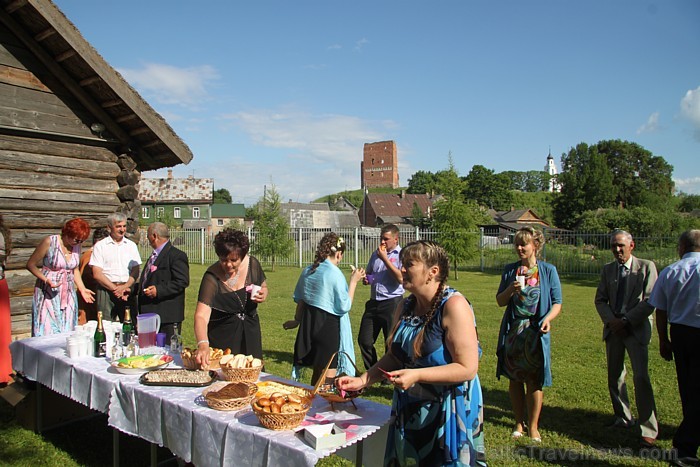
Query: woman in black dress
[[227, 311]]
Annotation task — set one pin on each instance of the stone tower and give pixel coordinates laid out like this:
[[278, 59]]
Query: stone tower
[[379, 166]]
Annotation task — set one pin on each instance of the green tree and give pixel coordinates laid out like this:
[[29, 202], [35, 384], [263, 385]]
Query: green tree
[[455, 219], [417, 218], [689, 203], [272, 240], [586, 184], [222, 196], [530, 181], [421, 182], [488, 189], [638, 175]]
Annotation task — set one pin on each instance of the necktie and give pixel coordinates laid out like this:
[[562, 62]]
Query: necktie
[[147, 269], [621, 284]]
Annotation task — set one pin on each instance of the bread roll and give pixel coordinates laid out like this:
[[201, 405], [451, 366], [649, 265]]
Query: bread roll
[[264, 402]]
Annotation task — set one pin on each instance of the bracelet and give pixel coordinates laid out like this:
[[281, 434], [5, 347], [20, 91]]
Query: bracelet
[[204, 341]]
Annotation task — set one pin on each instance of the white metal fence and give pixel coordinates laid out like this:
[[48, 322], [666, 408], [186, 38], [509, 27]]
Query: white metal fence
[[572, 252]]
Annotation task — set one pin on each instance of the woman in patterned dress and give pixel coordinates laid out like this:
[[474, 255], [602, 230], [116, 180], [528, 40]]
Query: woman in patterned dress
[[55, 304], [432, 361], [531, 291]]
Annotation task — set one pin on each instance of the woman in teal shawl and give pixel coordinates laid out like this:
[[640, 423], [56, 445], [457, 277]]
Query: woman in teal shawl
[[531, 292], [323, 299]]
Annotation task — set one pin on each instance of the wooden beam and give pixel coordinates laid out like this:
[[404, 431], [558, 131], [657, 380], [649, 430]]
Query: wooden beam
[[89, 81], [65, 55], [16, 5], [139, 131], [112, 103], [126, 118], [46, 33]]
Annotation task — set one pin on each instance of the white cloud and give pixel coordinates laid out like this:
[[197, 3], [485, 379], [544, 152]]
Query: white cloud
[[359, 45], [688, 185], [690, 109], [334, 47], [651, 125], [168, 84], [320, 154]]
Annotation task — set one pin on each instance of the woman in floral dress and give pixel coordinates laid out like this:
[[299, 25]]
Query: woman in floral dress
[[55, 304], [432, 361], [531, 292]]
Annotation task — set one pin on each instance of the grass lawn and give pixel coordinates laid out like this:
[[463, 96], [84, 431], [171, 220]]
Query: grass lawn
[[576, 407]]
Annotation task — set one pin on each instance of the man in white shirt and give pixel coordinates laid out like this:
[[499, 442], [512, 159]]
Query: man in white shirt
[[115, 265]]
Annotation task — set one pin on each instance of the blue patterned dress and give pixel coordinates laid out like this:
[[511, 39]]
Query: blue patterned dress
[[434, 424]]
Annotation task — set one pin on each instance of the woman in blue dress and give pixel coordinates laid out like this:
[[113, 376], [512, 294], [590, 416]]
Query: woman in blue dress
[[531, 292], [432, 361]]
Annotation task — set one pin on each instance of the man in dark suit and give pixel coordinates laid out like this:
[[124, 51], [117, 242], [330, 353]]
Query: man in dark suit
[[622, 303], [164, 279]]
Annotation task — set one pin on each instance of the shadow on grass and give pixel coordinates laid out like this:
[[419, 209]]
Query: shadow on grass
[[600, 445]]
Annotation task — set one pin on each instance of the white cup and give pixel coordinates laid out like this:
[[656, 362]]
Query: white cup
[[254, 289], [521, 281], [73, 347], [85, 346]]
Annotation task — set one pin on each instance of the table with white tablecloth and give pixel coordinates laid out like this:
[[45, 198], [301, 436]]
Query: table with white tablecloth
[[179, 419]]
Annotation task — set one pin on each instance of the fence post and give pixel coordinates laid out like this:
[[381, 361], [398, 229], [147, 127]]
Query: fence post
[[201, 244], [357, 248], [544, 246], [481, 248], [417, 233], [301, 248]]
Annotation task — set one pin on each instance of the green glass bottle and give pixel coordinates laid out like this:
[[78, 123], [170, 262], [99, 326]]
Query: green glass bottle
[[127, 327], [100, 338]]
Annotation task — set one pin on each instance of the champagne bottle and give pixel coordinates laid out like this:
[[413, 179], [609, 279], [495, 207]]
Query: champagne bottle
[[100, 338], [175, 341], [127, 327]]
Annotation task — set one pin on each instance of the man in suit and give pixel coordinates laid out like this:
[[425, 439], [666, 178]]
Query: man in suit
[[164, 280], [622, 303]]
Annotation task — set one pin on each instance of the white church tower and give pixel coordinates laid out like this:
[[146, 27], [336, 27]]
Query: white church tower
[[551, 169]]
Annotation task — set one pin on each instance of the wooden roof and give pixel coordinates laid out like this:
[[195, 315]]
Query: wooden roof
[[129, 120], [387, 205]]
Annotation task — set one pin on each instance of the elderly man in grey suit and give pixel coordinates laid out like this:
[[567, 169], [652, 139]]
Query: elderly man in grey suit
[[622, 303]]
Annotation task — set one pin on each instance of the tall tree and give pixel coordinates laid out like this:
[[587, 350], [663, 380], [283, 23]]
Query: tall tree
[[222, 196], [530, 181], [637, 173], [272, 239], [456, 220], [487, 188], [421, 182], [586, 184]]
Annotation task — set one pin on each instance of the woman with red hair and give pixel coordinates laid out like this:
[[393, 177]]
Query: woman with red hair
[[55, 304]]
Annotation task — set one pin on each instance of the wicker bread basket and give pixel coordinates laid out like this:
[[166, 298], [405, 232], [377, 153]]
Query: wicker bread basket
[[324, 391], [191, 363], [228, 404], [283, 421], [241, 374]]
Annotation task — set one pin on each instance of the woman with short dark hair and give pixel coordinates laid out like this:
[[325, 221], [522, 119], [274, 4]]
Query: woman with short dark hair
[[227, 309], [55, 303]]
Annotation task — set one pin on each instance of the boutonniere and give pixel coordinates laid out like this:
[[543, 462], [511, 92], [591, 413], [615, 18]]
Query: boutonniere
[[153, 268]]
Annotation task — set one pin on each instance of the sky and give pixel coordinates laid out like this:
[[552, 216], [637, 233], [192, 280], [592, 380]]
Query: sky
[[286, 93]]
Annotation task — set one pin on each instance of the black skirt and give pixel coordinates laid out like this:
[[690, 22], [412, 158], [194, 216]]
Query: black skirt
[[318, 338]]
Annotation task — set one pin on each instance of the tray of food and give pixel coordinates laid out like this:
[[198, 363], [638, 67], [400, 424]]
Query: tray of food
[[284, 409], [141, 363], [178, 377], [242, 368]]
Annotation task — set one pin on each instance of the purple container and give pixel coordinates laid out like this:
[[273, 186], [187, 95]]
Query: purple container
[[160, 339]]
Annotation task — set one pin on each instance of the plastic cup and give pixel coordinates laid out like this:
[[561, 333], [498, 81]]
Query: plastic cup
[[521, 281], [370, 278], [160, 339], [254, 289], [73, 347]]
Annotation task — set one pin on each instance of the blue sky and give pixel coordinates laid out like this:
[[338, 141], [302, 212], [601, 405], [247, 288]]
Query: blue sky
[[287, 92]]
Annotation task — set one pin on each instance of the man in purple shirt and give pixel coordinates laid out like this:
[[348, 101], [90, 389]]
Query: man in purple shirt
[[384, 275]]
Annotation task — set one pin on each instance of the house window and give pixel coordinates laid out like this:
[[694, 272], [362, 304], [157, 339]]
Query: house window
[[195, 213], [145, 213], [219, 222], [160, 212], [176, 213]]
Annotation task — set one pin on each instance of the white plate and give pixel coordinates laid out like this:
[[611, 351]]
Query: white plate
[[138, 371]]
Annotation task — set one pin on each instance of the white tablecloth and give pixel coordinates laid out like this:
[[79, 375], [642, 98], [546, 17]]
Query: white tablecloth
[[178, 418]]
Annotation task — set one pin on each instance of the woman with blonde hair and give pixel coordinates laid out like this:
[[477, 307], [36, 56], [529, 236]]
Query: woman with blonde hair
[[432, 361], [531, 292]]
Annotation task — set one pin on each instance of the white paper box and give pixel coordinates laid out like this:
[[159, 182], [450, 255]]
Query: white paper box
[[322, 437]]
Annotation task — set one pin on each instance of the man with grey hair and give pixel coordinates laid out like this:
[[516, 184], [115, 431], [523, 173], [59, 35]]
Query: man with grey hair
[[676, 297], [163, 281], [622, 303], [115, 266]]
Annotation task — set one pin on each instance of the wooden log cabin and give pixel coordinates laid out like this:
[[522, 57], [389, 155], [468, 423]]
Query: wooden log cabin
[[74, 138]]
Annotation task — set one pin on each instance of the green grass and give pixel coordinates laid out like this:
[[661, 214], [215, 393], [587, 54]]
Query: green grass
[[576, 407]]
